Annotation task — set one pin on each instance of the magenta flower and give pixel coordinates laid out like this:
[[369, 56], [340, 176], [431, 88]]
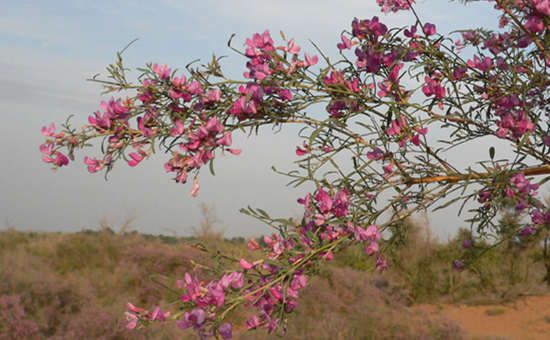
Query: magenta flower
[[159, 315], [396, 126], [429, 29], [467, 244], [482, 65], [411, 33], [136, 159], [300, 151], [253, 322], [285, 95], [433, 87]]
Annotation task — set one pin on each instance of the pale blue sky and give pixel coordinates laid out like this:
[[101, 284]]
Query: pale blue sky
[[49, 48]]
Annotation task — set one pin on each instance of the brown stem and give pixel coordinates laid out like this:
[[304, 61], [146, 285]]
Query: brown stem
[[541, 170]]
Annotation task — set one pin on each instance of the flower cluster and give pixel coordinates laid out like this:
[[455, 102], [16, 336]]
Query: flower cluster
[[137, 315], [374, 118], [51, 155], [394, 5]]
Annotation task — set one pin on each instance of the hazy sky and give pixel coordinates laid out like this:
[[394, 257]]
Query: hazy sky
[[49, 48]]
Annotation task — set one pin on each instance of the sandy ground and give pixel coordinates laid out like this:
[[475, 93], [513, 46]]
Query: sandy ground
[[528, 318]]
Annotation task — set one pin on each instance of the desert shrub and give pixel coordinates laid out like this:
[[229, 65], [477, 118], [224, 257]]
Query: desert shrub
[[84, 250], [347, 304], [14, 323], [10, 239]]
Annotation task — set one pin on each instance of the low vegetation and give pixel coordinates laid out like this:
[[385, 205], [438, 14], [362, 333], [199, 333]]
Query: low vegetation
[[76, 286]]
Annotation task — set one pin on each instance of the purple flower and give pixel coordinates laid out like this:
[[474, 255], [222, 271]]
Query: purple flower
[[429, 29], [529, 230], [459, 264], [225, 331], [376, 154], [381, 263]]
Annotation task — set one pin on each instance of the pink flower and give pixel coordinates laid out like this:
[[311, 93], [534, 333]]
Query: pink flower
[[285, 95], [309, 61], [59, 159], [433, 87], [394, 5], [136, 158], [345, 44], [291, 48], [234, 151], [253, 244], [299, 281], [133, 320], [253, 322], [49, 132], [542, 6], [159, 315], [373, 233], [300, 151], [46, 149], [388, 170], [372, 248], [482, 65], [245, 264], [163, 71], [195, 191]]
